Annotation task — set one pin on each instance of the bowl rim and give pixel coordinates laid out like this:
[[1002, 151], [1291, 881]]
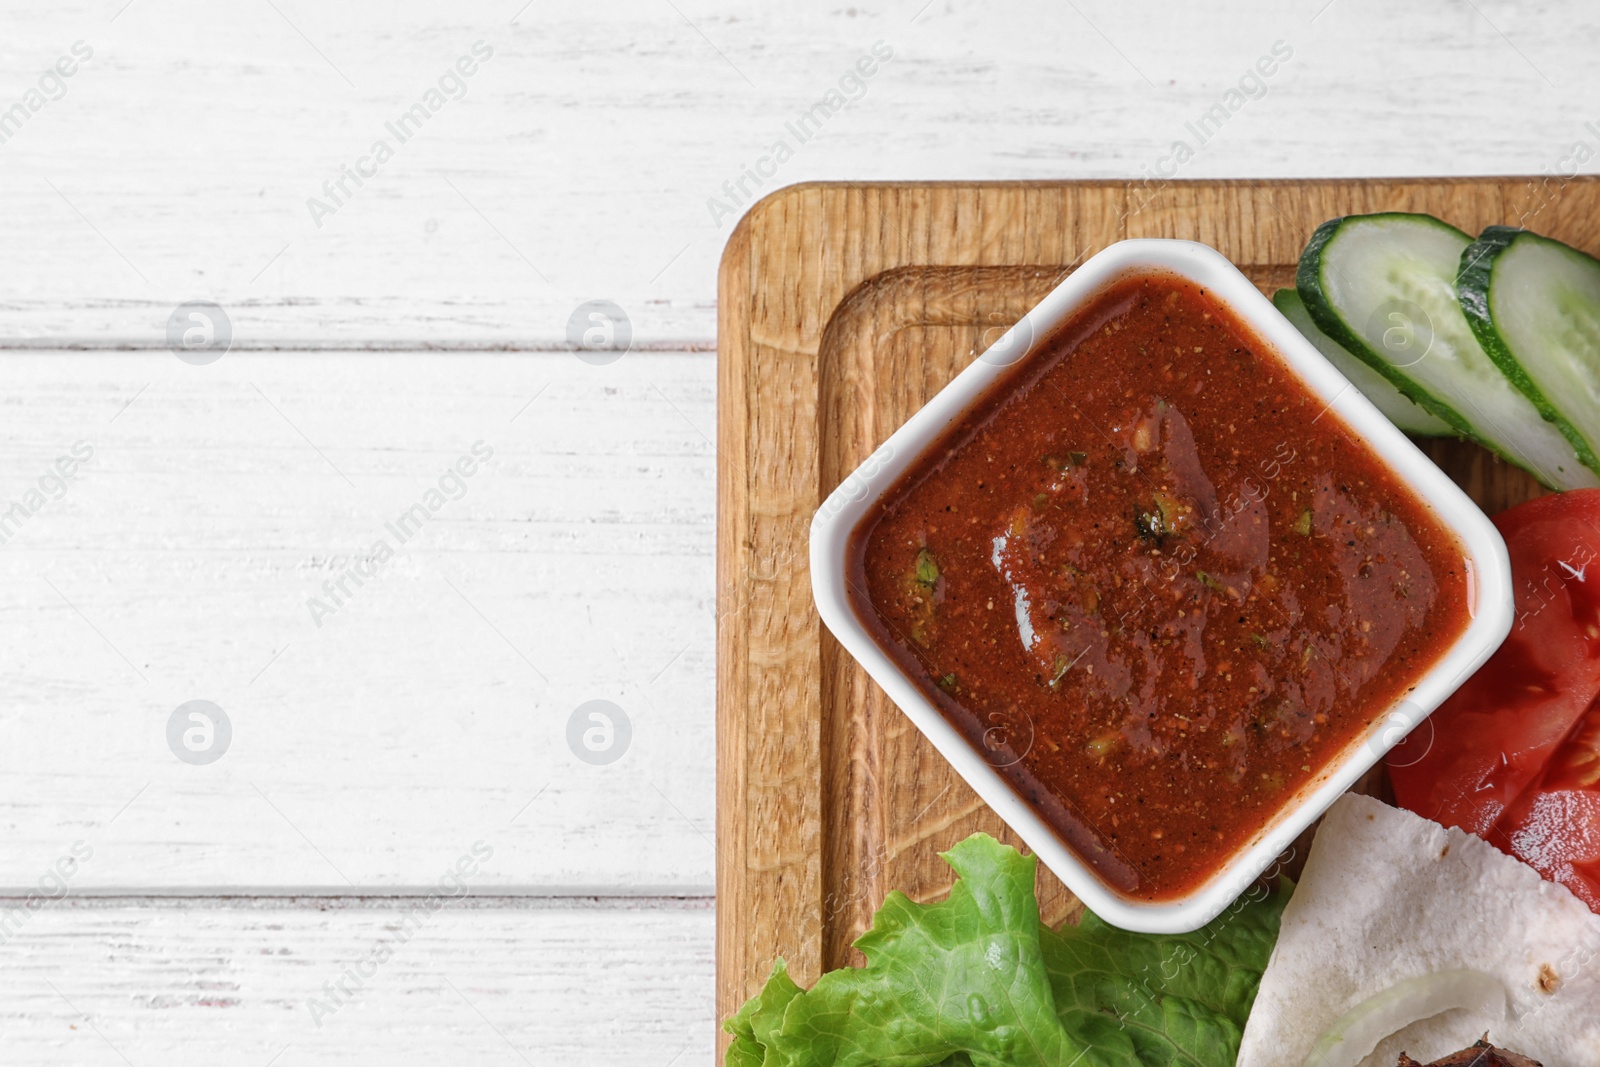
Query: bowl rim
[[1490, 598]]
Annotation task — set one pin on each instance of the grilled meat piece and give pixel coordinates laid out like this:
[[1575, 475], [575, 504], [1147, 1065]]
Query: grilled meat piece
[[1481, 1054]]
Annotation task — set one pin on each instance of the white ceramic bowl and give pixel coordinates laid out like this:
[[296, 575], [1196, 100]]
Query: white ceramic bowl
[[1489, 576]]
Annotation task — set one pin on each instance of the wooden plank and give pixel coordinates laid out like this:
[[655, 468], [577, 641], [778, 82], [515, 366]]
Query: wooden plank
[[583, 159], [433, 704], [844, 307], [153, 982], [733, 829]]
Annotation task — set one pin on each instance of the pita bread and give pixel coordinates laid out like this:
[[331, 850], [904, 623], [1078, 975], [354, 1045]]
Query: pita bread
[[1388, 896]]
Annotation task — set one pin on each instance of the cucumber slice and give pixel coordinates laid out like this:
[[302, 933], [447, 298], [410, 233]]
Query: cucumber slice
[[1384, 286], [1374, 386], [1534, 304]]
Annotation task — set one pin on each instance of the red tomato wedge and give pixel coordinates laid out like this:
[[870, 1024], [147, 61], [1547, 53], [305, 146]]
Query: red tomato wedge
[[1554, 827], [1488, 744]]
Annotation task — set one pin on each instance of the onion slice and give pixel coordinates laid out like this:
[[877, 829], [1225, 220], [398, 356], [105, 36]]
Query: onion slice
[[1357, 1032]]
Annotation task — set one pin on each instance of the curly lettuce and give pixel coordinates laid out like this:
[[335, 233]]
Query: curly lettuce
[[976, 980]]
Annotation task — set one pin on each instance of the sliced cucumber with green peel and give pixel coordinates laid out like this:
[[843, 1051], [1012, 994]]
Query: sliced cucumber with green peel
[[1374, 386], [1384, 287], [1534, 304]]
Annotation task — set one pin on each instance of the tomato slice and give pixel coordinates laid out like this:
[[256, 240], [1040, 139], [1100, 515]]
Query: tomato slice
[[1554, 826], [1487, 745]]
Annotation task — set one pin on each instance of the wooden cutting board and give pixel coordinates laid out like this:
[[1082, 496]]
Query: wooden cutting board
[[841, 309]]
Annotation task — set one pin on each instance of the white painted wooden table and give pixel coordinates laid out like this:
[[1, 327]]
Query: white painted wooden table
[[274, 906]]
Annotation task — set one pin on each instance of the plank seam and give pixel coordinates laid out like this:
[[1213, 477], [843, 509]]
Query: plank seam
[[48, 344], [350, 902]]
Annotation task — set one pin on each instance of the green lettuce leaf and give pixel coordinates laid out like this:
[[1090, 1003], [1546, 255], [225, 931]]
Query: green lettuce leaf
[[976, 980], [1181, 998], [754, 1025]]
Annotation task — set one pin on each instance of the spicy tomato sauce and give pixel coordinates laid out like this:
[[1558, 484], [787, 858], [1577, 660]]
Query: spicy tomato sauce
[[1157, 583]]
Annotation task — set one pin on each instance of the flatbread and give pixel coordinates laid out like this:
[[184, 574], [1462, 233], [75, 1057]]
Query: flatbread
[[1388, 895]]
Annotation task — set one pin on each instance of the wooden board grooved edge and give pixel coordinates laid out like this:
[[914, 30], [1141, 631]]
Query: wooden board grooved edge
[[842, 308]]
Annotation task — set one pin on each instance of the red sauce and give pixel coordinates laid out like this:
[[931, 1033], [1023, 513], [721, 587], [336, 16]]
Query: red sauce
[[1157, 583]]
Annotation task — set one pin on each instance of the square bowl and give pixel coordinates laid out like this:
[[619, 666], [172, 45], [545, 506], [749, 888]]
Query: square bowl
[[1489, 590]]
